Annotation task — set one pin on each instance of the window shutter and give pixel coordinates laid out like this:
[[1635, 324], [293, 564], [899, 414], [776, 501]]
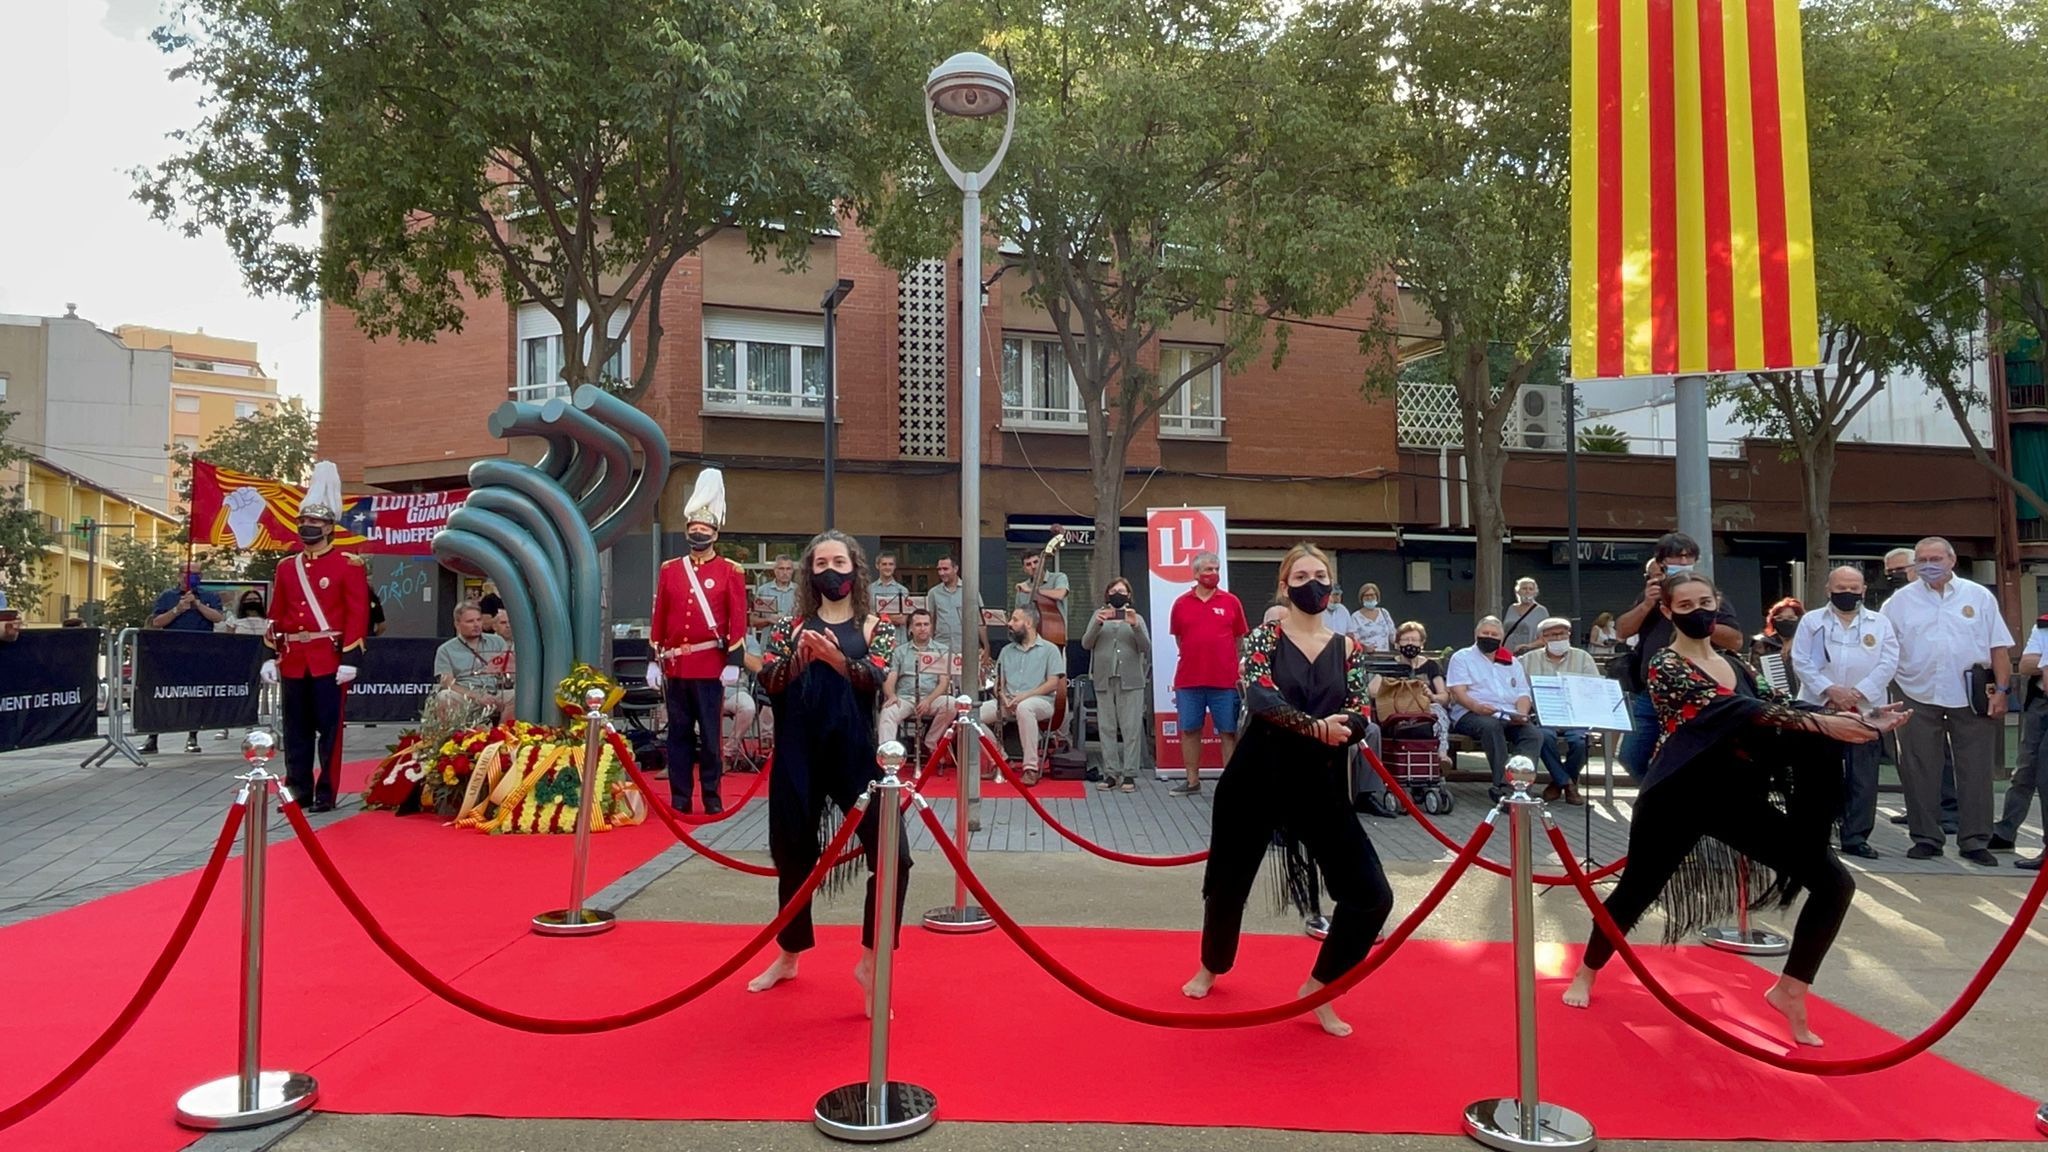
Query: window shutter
[[765, 327]]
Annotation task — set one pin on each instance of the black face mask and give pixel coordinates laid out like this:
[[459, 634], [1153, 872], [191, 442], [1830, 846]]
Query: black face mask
[[699, 541], [1897, 579], [831, 584], [1311, 597], [1785, 625], [1698, 623], [251, 608], [1845, 601], [1411, 651], [1017, 635], [1487, 644], [1119, 601], [312, 533]]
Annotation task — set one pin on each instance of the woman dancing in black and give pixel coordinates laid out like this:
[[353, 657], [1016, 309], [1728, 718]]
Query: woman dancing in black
[[1741, 773], [1305, 691], [822, 669]]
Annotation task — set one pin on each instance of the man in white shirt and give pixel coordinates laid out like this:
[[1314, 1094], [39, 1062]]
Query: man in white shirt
[[1555, 656], [2026, 772], [1490, 702], [1845, 657], [1335, 614], [1948, 626]]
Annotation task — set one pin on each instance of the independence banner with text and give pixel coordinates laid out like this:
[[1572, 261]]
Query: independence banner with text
[[236, 510]]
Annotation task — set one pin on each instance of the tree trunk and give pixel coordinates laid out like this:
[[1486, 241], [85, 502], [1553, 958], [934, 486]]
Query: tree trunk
[[2005, 475], [1817, 466], [1107, 473], [1486, 467]]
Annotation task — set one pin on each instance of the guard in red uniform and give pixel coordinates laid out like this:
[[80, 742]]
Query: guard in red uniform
[[319, 614], [699, 638]]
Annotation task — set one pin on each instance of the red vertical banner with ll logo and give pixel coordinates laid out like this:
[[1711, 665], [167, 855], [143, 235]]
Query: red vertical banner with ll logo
[[1173, 538]]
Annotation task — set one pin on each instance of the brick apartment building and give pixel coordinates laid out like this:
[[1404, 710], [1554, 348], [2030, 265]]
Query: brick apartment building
[[1293, 452]]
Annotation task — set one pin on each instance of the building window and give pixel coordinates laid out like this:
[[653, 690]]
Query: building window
[[3, 388], [1038, 388], [541, 360], [186, 404], [188, 443], [1196, 409], [756, 363], [245, 409]]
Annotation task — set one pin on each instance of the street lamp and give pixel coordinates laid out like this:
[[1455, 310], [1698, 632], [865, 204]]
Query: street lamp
[[831, 306], [971, 86]]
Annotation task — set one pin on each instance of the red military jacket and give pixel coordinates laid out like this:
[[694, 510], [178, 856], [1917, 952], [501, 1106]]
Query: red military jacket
[[342, 588], [679, 622]]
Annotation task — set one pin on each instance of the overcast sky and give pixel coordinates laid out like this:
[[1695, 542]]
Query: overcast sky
[[89, 98]]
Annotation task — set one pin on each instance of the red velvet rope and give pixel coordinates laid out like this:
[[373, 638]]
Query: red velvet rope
[[1243, 1018], [545, 1025], [669, 816], [181, 935], [753, 789], [1083, 842], [1429, 826], [1855, 1066]]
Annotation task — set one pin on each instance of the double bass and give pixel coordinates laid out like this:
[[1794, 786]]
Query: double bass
[[1052, 613]]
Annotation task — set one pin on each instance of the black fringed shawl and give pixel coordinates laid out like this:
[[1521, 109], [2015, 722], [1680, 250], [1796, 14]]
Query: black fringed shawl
[[1293, 709], [1753, 739]]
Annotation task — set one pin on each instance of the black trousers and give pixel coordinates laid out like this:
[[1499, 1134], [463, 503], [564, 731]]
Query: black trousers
[[1253, 802], [793, 815], [695, 714], [1672, 817], [311, 708]]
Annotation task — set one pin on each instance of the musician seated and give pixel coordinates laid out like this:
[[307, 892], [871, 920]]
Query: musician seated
[[474, 673], [919, 683], [1031, 679]]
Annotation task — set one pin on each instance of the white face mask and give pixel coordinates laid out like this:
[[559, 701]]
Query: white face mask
[[1525, 595], [1557, 647]]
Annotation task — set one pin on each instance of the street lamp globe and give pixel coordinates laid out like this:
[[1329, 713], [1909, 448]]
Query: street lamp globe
[[969, 84]]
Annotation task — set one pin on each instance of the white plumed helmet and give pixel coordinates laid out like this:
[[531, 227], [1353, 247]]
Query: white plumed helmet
[[707, 500], [323, 496]]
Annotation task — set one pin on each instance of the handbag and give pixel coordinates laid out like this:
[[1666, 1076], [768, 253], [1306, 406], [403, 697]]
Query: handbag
[[1407, 695]]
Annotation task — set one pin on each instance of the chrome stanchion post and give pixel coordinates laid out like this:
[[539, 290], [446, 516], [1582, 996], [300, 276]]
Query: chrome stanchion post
[[1523, 1121], [2041, 1119], [252, 1096], [1742, 938], [576, 920], [960, 917], [878, 1108]]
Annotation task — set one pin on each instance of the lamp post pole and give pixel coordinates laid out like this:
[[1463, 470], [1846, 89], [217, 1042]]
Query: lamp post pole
[[831, 306]]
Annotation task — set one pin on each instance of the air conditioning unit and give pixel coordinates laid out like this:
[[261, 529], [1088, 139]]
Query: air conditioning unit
[[1539, 417]]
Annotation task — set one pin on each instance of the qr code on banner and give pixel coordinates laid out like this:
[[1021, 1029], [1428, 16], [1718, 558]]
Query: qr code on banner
[[1169, 727]]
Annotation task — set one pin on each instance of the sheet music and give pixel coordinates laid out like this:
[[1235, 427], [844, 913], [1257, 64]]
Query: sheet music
[[1580, 702]]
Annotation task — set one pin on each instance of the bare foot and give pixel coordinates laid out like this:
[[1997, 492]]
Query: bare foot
[[1580, 994], [1199, 987], [784, 968], [864, 975], [1788, 996], [1327, 1014]]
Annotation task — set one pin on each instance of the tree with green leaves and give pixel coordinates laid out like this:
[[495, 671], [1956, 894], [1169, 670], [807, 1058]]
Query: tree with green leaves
[[1483, 143], [143, 570], [1170, 165], [398, 159], [24, 531]]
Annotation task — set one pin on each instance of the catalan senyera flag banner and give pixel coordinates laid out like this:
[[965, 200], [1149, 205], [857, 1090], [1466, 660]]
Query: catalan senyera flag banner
[[1692, 226], [236, 510]]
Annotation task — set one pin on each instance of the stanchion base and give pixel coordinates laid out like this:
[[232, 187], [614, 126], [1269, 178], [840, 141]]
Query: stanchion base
[[1755, 942], [906, 1110], [962, 921], [2041, 1119], [588, 922], [217, 1104], [1498, 1124]]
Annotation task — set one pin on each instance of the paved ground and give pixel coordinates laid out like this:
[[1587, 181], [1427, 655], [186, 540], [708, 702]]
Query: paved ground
[[1917, 931]]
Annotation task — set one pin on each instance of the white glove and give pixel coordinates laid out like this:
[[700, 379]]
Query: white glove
[[730, 674], [345, 674], [269, 672], [654, 675]]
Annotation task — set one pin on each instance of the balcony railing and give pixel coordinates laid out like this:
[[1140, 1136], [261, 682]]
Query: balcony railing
[[2034, 531], [2026, 397]]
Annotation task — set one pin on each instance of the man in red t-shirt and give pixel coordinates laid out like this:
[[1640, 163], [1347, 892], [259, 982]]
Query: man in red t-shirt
[[1208, 625]]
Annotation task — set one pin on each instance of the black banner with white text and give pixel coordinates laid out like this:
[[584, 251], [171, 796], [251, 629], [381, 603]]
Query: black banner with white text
[[193, 681], [49, 686], [393, 681]]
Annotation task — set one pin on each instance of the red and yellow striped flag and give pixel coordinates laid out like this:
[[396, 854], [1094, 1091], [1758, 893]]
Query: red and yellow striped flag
[[1692, 228]]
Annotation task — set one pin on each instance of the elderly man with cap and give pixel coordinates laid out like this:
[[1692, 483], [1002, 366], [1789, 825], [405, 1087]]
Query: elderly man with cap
[[699, 637], [1554, 655], [319, 615]]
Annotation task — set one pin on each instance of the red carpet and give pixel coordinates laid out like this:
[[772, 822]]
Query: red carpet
[[1033, 1053]]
